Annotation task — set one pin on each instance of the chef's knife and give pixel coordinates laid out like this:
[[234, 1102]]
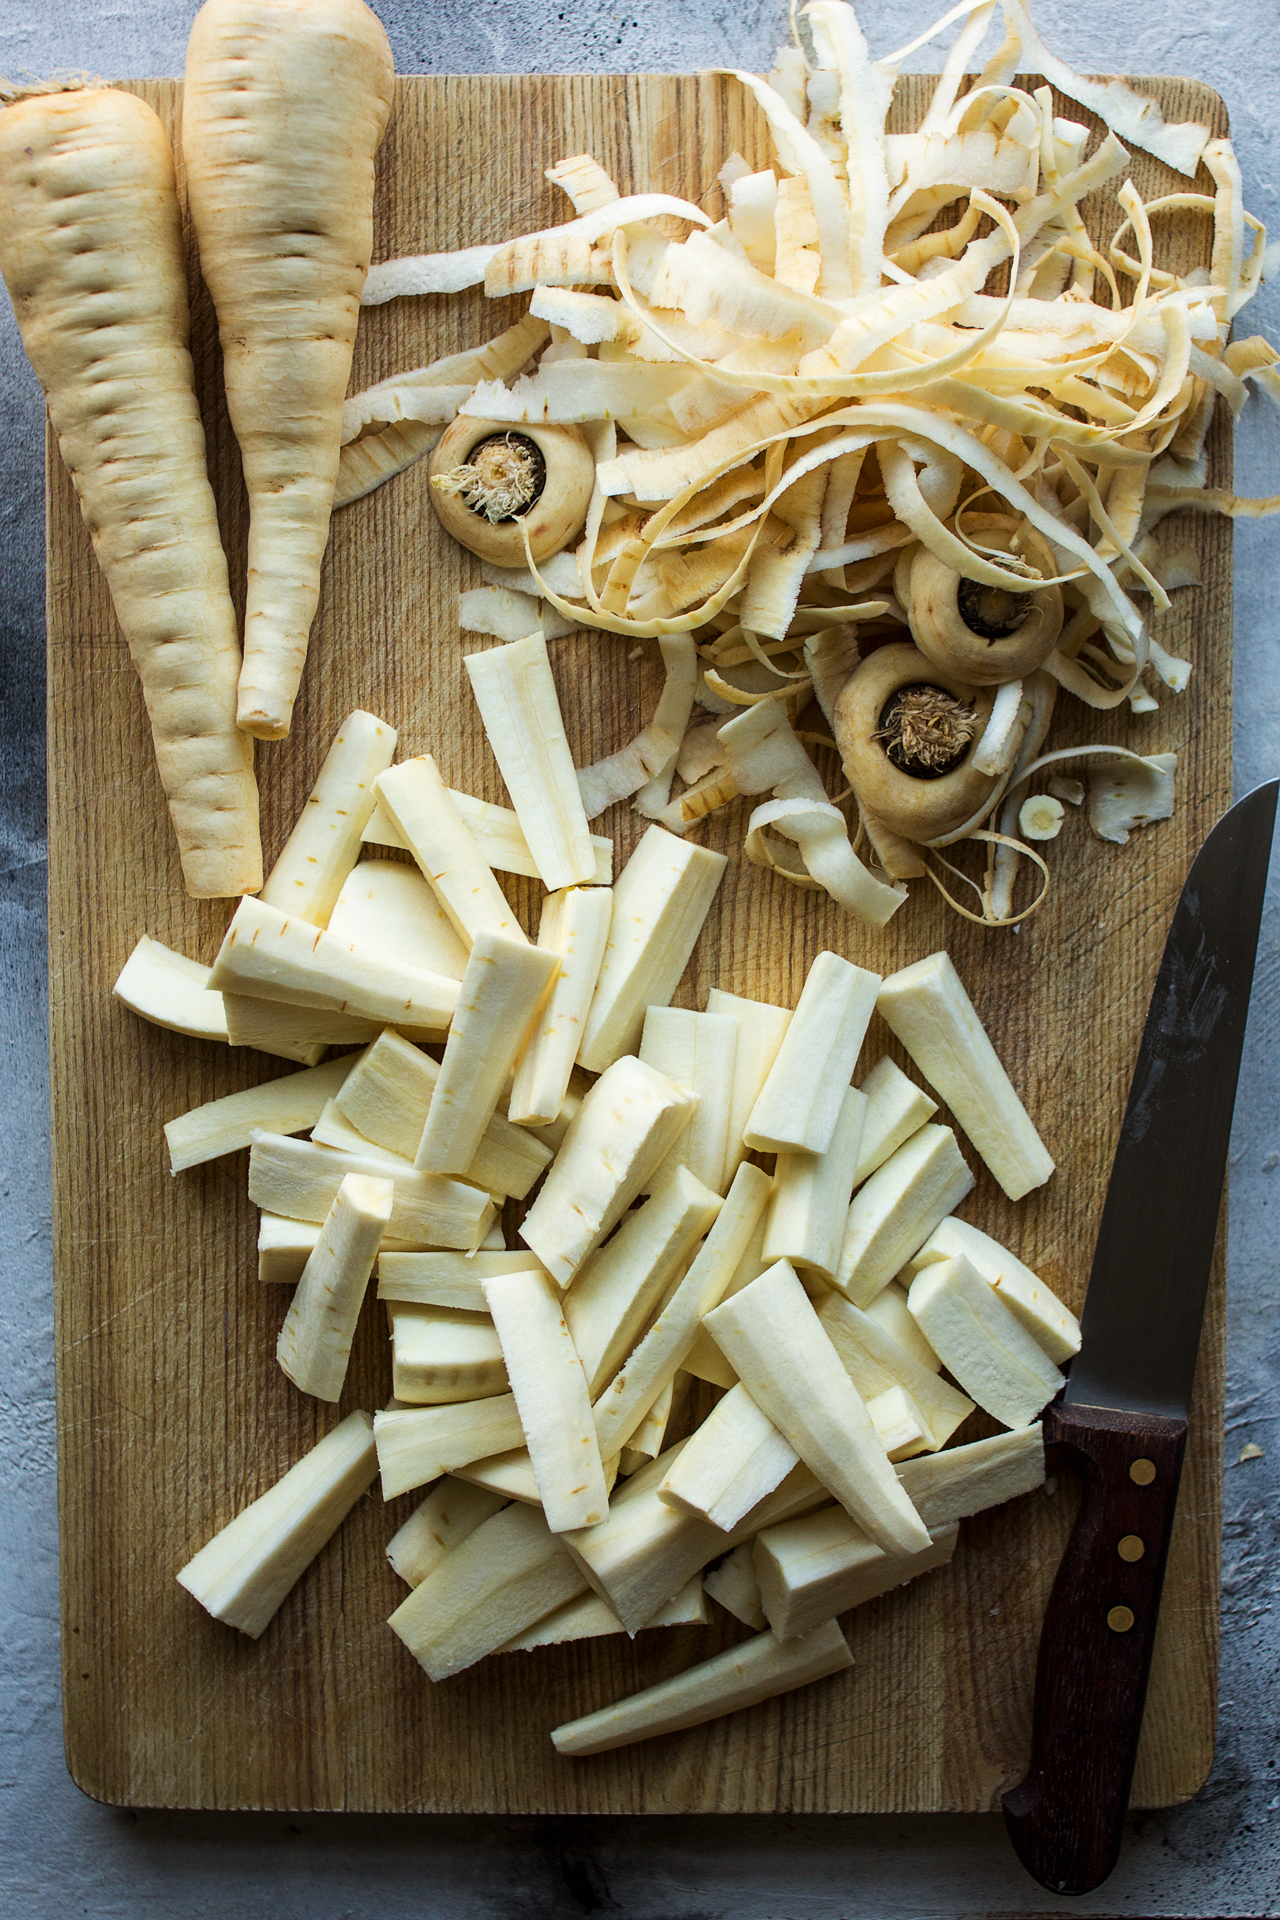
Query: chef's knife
[[1123, 1415]]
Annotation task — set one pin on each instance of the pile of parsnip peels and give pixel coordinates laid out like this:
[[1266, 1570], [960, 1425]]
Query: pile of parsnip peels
[[705, 1198], [856, 357]]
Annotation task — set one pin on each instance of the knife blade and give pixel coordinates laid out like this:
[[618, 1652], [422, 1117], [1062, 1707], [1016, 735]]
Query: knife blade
[[1123, 1415]]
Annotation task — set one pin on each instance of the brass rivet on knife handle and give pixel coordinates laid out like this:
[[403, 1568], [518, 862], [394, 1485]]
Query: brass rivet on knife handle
[[1120, 1619], [1142, 1473], [1131, 1548]]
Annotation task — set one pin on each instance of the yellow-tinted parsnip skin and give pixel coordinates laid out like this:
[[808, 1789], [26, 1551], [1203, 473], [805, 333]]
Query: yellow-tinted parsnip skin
[[284, 105], [91, 251]]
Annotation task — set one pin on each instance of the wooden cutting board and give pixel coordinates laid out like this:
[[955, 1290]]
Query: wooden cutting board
[[173, 1414]]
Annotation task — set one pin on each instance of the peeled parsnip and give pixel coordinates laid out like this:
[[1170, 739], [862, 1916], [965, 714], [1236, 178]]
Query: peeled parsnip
[[300, 1180], [660, 901], [270, 956], [284, 106], [315, 1340], [245, 1571], [618, 1136], [620, 1286], [645, 1372], [896, 1108], [445, 1279], [434, 831], [418, 1444], [510, 1572], [551, 1394], [740, 1677], [773, 1337], [875, 1362], [696, 1051], [1025, 1294], [982, 1345], [450, 1514], [287, 1105], [292, 1032], [811, 1196], [760, 1030], [933, 1016], [499, 999], [799, 1103], [324, 846], [387, 905], [898, 1208], [575, 927], [171, 991], [91, 251], [496, 832], [735, 1458], [811, 1569], [733, 1583], [516, 696]]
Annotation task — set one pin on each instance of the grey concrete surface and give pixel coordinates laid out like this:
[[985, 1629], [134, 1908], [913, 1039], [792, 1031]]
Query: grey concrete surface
[[60, 1853]]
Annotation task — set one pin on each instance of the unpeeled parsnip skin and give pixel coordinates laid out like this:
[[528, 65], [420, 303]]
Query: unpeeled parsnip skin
[[91, 250], [284, 107]]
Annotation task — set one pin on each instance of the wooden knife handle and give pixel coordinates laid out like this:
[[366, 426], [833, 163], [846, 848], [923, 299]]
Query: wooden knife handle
[[1066, 1819]]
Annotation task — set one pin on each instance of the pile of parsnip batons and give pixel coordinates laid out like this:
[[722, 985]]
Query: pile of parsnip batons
[[806, 449]]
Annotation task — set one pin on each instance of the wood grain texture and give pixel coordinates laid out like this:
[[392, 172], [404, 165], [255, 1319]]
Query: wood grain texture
[[172, 1411]]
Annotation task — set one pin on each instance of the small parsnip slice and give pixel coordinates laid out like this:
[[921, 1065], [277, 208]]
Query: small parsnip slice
[[1024, 1293], [811, 1194], [896, 1108], [496, 832], [389, 906], [897, 1209], [809, 1570], [696, 1051], [288, 1105], [418, 1444], [300, 1180], [980, 1342], [760, 1030], [441, 1356], [735, 1458]]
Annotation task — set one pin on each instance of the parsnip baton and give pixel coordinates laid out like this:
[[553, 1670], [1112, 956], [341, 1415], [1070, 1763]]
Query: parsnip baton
[[696, 1051], [760, 1030], [424, 810], [897, 1209], [293, 1032], [171, 991], [510, 1572], [1025, 1294], [325, 844], [516, 695], [445, 1279], [575, 927], [660, 901], [963, 1480], [773, 1337], [388, 905], [733, 1583], [811, 1193], [497, 834], [896, 1108], [272, 957], [286, 1105], [618, 1288], [449, 1515], [245, 1571], [740, 1677], [499, 999], [874, 1361], [799, 1103], [812, 1569], [550, 1388], [927, 1007], [729, 1464], [619, 1134], [300, 1180], [315, 1341], [981, 1344], [418, 1444]]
